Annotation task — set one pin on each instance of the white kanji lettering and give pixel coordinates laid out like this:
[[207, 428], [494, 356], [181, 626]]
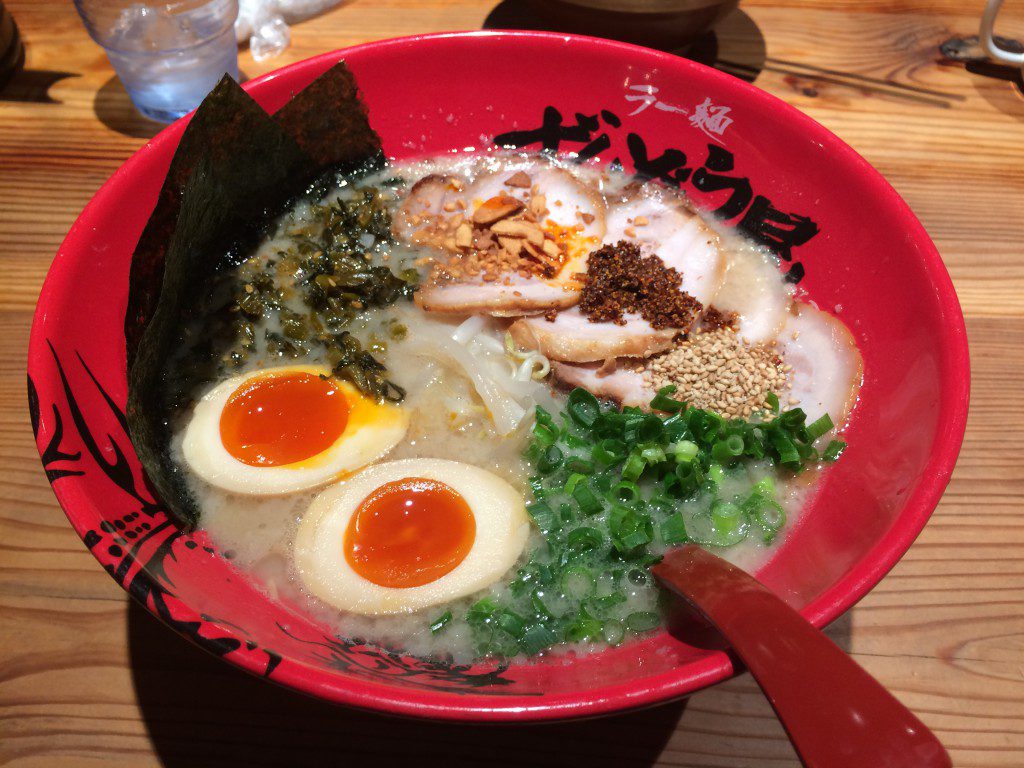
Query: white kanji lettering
[[709, 118], [647, 95]]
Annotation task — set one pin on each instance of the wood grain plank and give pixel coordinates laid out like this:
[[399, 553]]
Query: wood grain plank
[[87, 679]]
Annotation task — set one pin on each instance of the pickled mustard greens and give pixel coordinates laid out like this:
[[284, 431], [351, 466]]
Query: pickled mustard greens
[[328, 266], [613, 490], [234, 167]]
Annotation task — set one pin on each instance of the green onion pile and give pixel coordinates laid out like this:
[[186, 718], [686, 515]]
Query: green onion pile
[[612, 491]]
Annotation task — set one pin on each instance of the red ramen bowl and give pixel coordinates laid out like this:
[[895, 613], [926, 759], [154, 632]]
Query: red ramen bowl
[[841, 232]]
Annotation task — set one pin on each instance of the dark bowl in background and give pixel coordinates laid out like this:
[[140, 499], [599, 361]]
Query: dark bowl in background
[[658, 23]]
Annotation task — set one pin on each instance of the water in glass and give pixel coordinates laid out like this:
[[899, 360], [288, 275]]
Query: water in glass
[[167, 55]]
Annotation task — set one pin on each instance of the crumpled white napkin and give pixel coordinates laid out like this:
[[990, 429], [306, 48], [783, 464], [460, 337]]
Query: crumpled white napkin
[[264, 23]]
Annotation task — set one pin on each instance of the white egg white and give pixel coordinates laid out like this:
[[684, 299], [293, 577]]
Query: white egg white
[[372, 430], [502, 526]]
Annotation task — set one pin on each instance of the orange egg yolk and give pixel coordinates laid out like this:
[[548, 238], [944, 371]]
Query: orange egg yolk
[[409, 532], [282, 419]]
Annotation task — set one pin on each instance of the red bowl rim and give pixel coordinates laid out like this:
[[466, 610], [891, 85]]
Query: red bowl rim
[[717, 667]]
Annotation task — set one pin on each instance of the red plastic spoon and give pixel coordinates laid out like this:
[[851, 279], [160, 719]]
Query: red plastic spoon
[[835, 713]]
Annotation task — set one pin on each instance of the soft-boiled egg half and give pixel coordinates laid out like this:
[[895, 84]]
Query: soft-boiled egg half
[[404, 535], [287, 429]]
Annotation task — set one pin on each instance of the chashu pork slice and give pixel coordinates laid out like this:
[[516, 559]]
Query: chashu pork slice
[[826, 365], [661, 223], [755, 291], [623, 385], [572, 204], [569, 210], [572, 337], [513, 296], [825, 376], [427, 197], [826, 368]]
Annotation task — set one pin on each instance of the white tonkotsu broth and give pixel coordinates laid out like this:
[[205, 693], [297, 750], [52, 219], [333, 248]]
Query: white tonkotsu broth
[[470, 399]]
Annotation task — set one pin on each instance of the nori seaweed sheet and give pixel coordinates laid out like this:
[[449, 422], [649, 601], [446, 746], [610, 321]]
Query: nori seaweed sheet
[[235, 168], [329, 121]]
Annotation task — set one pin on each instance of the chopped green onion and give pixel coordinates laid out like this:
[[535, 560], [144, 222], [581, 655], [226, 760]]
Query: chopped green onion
[[706, 425], [541, 416], [688, 471], [586, 499], [511, 623], [577, 582], [660, 504], [606, 484], [685, 451], [673, 530], [626, 492], [584, 628], [582, 407], [788, 454], [584, 539], [665, 403], [726, 451], [834, 451], [636, 538], [544, 434], [579, 466], [653, 454], [768, 514], [728, 523], [536, 638], [629, 529], [634, 467], [481, 611], [819, 427], [608, 452], [542, 515], [700, 529], [646, 561], [574, 441], [674, 486], [501, 644], [642, 621], [550, 460], [566, 514], [651, 428], [793, 419], [442, 621], [537, 600], [571, 483], [614, 632], [676, 427], [605, 603]]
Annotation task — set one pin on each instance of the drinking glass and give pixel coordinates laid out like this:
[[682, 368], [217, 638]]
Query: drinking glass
[[986, 35], [167, 55]]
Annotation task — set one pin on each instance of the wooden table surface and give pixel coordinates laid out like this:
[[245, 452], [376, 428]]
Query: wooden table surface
[[87, 678]]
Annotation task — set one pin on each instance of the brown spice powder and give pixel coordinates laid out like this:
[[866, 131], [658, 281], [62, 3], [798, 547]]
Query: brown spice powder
[[715, 318], [620, 280]]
